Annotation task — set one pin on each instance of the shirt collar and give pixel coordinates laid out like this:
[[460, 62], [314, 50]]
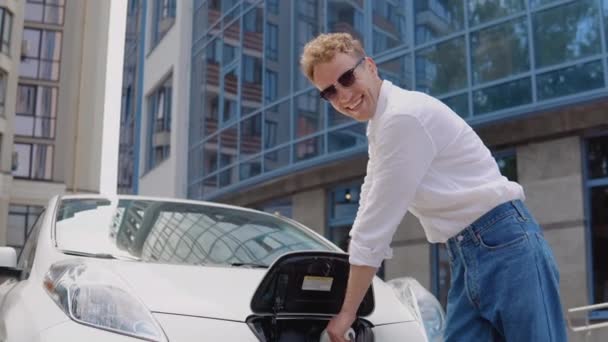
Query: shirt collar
[[382, 102]]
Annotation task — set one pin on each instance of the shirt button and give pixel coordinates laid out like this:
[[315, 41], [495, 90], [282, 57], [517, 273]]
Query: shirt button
[[460, 238]]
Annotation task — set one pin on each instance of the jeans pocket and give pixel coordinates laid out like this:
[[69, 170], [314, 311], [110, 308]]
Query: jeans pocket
[[505, 233]]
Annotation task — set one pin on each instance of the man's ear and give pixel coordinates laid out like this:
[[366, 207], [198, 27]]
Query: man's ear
[[372, 65]]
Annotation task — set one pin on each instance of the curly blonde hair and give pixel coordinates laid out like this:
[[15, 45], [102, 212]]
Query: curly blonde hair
[[324, 47]]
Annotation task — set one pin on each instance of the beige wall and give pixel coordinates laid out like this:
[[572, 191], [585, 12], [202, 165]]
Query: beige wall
[[170, 57], [89, 92]]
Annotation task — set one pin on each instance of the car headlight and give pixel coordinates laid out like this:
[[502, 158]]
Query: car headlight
[[99, 299], [424, 305]]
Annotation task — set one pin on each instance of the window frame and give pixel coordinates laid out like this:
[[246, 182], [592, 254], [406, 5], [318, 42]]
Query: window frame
[[589, 184]]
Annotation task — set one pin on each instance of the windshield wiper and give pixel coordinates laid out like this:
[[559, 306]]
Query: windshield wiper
[[248, 264], [98, 255]]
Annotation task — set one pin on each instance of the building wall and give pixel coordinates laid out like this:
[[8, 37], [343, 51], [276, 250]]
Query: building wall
[[171, 56], [86, 106]]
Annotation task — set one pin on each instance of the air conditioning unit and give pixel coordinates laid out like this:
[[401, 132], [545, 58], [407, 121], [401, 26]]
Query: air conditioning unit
[[14, 161]]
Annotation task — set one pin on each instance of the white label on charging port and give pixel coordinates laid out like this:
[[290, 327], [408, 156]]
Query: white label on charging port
[[312, 283]]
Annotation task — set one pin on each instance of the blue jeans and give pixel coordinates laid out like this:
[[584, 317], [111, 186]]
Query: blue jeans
[[505, 282]]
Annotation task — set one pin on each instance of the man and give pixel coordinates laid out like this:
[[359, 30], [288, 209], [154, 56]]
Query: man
[[424, 158]]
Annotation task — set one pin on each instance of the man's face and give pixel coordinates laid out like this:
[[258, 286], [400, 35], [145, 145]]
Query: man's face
[[357, 100]]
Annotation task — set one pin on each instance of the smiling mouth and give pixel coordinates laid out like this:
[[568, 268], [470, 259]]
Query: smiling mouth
[[356, 105]]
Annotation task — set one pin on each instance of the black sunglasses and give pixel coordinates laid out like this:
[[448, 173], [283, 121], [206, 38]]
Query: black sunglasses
[[346, 80]]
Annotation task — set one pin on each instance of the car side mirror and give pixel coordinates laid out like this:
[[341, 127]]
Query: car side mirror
[[8, 264]]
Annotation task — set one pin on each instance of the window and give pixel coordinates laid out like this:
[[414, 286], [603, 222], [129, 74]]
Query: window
[[6, 25], [3, 80], [159, 106], [273, 6], [500, 51], [21, 220], [270, 88], [45, 11], [253, 69], [272, 42], [41, 54], [36, 111], [566, 33], [596, 172], [164, 17], [442, 68], [34, 161]]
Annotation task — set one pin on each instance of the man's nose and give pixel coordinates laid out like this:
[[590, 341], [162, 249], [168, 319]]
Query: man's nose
[[344, 94]]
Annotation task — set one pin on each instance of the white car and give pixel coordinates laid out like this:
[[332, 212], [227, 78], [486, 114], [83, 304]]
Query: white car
[[130, 268]]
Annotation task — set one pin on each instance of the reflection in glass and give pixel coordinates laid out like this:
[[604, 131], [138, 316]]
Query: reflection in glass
[[210, 155], [459, 104], [389, 25], [308, 116], [195, 162], [251, 136], [597, 157], [231, 41], [570, 80], [277, 125], [178, 233], [276, 159], [398, 71], [308, 148], [228, 147], [228, 176], [442, 68], [566, 32], [437, 18], [253, 50], [210, 184], [230, 95], [345, 138], [500, 51], [599, 225], [307, 26], [481, 11], [346, 16], [250, 168], [252, 82], [502, 96]]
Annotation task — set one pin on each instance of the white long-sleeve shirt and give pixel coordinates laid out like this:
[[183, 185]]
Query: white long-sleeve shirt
[[426, 159]]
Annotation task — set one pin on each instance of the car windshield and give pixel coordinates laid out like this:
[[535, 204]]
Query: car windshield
[[177, 233]]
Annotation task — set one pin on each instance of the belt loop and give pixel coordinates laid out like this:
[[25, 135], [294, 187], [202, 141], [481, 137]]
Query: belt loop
[[473, 234], [518, 206]]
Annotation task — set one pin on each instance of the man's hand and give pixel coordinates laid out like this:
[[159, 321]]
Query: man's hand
[[339, 325]]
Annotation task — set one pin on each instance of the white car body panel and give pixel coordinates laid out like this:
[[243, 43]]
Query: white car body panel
[[191, 303]]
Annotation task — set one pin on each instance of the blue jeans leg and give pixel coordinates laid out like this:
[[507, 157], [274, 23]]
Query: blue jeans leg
[[505, 283]]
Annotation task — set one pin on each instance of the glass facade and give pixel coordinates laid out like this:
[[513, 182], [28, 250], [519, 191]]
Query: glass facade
[[255, 116], [128, 151]]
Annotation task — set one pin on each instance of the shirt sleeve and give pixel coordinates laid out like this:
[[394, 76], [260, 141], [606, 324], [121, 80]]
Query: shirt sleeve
[[403, 153], [367, 182]]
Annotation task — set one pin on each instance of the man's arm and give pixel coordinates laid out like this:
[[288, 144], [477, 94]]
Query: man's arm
[[359, 281], [402, 158]]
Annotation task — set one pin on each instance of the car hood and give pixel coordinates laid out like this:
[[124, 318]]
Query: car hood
[[214, 292], [221, 292]]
